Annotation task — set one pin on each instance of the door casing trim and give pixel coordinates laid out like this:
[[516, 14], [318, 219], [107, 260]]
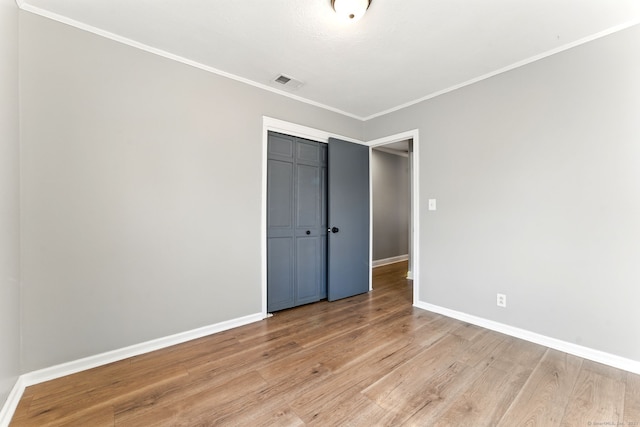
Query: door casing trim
[[414, 162]]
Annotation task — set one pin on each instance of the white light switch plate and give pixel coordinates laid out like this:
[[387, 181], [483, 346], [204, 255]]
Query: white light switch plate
[[432, 204]]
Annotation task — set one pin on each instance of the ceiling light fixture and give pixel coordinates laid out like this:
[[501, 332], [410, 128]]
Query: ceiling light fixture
[[351, 10]]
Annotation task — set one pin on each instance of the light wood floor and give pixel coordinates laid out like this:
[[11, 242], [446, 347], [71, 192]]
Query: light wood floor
[[364, 361]]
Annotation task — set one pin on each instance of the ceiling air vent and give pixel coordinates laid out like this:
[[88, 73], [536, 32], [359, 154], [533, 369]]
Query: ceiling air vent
[[288, 82]]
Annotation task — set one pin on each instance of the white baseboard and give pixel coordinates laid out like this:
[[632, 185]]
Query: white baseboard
[[387, 261], [564, 346], [64, 369], [10, 405]]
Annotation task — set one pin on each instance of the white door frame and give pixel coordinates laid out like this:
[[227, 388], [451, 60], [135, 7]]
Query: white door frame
[[293, 129], [414, 157]]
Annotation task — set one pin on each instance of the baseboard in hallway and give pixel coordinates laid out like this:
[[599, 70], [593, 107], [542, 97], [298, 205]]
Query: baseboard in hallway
[[387, 261]]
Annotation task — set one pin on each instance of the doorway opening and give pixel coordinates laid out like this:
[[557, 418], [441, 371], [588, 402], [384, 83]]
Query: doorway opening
[[403, 146], [391, 203]]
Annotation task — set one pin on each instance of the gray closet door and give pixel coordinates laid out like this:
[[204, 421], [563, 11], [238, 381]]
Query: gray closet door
[[348, 200], [296, 221]]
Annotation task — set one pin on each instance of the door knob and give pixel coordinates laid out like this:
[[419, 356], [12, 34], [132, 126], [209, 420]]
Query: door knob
[[334, 229], [308, 232]]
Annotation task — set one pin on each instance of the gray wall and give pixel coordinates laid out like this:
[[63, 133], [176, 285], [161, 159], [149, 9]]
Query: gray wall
[[141, 198], [390, 183], [9, 200], [141, 194], [537, 176]]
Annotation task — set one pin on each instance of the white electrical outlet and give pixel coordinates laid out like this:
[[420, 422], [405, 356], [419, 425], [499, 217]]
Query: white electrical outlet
[[501, 300]]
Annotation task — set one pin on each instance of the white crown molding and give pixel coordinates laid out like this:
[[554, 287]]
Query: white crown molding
[[513, 66], [564, 346], [64, 369], [65, 20], [129, 42]]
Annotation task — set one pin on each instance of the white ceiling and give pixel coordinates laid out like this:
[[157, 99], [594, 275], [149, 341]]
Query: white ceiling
[[401, 51]]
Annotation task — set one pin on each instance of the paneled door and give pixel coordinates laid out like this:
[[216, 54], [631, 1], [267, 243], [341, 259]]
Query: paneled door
[[296, 221], [349, 218]]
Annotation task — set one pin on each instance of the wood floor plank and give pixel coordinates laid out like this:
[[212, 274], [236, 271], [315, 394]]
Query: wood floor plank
[[441, 391], [200, 379], [353, 379], [484, 349], [632, 401], [105, 388], [353, 410], [201, 408], [447, 387], [192, 352], [369, 360], [544, 398], [508, 371], [406, 389], [518, 351], [478, 405], [468, 331], [21, 414], [244, 357], [263, 415], [597, 398]]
